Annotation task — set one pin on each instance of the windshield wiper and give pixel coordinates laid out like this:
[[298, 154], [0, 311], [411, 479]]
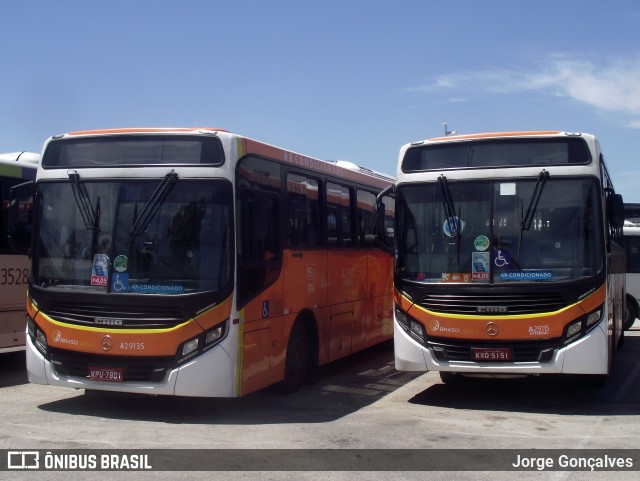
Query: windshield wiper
[[449, 207], [89, 216], [527, 218], [153, 204], [535, 198], [453, 222]]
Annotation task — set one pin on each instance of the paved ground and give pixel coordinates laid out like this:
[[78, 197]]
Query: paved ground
[[362, 403]]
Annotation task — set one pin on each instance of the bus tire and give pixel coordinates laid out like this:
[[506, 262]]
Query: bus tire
[[630, 313], [450, 378], [297, 359]]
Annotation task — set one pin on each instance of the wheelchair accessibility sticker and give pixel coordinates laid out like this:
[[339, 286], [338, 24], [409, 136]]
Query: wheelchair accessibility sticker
[[502, 258], [120, 282]]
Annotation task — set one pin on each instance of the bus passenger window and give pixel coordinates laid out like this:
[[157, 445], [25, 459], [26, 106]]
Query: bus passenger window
[[303, 211]]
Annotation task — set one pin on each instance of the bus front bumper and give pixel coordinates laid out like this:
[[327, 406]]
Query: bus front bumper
[[587, 355], [211, 374]]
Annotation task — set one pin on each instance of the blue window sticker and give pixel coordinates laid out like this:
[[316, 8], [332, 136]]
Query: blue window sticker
[[502, 258], [120, 282], [452, 226], [526, 276], [265, 309], [151, 288]]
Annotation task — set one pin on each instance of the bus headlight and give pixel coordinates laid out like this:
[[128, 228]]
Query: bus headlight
[[213, 335], [583, 325], [38, 337], [402, 318], [594, 317], [190, 346], [417, 330], [410, 325], [573, 330], [202, 342]]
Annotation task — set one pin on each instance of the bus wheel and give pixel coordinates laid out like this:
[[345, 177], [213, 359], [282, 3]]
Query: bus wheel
[[630, 314], [297, 360]]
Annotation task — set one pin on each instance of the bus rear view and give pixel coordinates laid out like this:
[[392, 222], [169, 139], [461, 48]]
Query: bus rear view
[[508, 256]]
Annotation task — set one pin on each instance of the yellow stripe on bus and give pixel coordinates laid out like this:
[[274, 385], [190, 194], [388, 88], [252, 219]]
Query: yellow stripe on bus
[[239, 356], [117, 329]]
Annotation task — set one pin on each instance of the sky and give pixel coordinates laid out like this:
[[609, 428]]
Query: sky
[[333, 79]]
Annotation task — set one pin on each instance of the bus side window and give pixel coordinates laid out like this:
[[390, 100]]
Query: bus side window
[[632, 244], [339, 218], [366, 218], [259, 250]]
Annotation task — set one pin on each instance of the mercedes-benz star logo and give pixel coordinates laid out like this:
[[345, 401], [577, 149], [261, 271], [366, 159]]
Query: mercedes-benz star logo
[[492, 329], [106, 343]]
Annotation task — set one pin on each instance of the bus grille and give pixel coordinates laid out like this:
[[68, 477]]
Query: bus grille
[[494, 304], [452, 350], [147, 369], [132, 317]]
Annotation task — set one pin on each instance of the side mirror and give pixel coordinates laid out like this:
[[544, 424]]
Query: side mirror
[[20, 218], [384, 219], [615, 206]]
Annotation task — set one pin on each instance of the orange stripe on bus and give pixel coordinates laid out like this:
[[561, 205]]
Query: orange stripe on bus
[[497, 134], [545, 325], [143, 130], [126, 342]]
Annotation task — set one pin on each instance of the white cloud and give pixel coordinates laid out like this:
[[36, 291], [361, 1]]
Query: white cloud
[[614, 86]]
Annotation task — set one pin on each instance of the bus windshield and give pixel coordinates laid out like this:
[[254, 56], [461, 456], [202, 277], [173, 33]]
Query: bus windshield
[[86, 236], [499, 231]]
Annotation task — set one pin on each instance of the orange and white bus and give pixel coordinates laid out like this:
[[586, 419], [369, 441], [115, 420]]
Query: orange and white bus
[[631, 235], [508, 256], [15, 168], [197, 262]]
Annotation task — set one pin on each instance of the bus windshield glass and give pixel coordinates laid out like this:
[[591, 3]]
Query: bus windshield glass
[[496, 153], [492, 232], [118, 151], [183, 246]]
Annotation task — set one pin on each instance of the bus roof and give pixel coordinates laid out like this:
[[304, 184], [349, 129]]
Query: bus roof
[[30, 157], [250, 145]]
